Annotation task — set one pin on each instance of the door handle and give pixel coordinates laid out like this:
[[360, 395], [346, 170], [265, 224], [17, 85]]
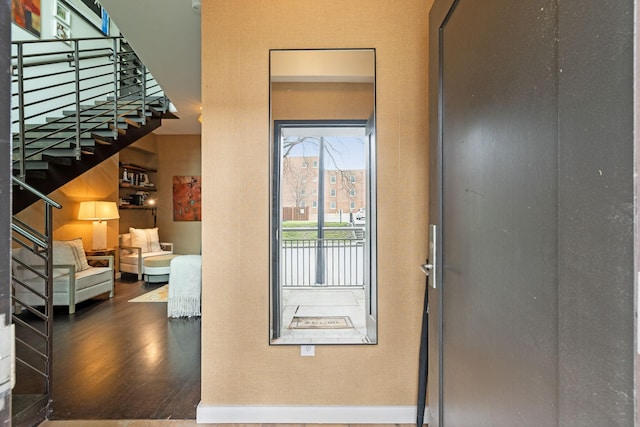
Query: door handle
[[430, 268], [426, 269]]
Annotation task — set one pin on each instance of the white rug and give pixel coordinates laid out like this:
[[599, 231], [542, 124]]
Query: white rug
[[156, 295]]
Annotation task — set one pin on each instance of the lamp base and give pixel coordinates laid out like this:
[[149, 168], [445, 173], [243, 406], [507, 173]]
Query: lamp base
[[99, 235]]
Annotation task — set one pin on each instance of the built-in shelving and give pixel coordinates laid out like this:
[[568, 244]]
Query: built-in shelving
[[136, 186]]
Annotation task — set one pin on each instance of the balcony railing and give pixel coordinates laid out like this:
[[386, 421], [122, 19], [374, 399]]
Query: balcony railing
[[335, 261]]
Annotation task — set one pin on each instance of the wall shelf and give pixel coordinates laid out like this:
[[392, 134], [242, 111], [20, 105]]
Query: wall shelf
[[136, 168], [135, 207], [138, 187], [133, 195]]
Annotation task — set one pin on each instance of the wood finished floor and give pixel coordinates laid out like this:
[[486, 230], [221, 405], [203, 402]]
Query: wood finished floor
[[192, 423], [115, 360], [121, 364]]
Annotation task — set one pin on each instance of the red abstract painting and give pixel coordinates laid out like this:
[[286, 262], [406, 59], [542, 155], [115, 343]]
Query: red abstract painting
[[187, 198]]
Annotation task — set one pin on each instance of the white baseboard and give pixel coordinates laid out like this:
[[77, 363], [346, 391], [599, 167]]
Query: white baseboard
[[399, 414]]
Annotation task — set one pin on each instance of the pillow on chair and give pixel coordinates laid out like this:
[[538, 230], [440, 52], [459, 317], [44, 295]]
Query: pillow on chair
[[29, 258], [125, 240], [145, 238], [70, 252]]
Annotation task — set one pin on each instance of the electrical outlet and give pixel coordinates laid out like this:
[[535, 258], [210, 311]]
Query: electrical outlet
[[307, 350]]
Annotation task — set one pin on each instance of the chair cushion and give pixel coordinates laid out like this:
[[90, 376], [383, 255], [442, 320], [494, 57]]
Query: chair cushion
[[92, 276], [159, 260], [84, 279], [133, 259], [145, 238]]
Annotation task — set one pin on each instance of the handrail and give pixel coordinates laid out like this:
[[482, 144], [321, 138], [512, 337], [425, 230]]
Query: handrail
[[70, 39], [67, 58], [36, 358], [40, 195]]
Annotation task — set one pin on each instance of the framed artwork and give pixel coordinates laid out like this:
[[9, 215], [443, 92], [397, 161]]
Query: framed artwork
[[63, 32], [26, 14], [105, 23], [187, 198], [63, 13]]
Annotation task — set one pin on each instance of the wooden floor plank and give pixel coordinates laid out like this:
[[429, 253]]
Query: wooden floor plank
[[116, 360], [121, 364]]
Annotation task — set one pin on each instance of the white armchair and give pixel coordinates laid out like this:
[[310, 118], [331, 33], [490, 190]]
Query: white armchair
[[138, 244], [74, 280]]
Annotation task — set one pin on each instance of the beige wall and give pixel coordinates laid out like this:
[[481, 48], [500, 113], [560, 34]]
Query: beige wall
[[177, 156], [238, 365], [99, 183], [307, 101]]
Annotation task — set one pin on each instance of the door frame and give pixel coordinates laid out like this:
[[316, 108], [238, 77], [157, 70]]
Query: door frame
[[438, 16], [594, 247]]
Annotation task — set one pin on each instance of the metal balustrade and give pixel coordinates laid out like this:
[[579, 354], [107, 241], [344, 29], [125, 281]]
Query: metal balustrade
[[337, 261], [33, 338], [68, 94]]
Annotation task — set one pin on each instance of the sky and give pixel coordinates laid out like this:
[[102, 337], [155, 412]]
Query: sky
[[344, 153]]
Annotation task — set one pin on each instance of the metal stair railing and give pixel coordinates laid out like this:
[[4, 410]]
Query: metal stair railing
[[34, 326], [68, 93]]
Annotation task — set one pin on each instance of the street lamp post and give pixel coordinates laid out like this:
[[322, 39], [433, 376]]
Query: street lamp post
[[320, 279]]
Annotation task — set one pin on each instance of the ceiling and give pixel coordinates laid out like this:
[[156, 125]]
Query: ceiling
[[166, 36]]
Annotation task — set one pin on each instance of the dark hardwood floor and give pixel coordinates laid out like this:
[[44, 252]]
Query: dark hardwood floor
[[119, 360]]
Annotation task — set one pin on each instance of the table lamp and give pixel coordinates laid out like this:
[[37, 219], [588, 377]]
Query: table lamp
[[98, 212]]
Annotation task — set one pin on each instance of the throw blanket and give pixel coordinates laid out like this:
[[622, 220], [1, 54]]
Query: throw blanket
[[185, 284]]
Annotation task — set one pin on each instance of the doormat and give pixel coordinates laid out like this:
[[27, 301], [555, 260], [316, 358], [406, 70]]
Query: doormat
[[321, 322], [156, 295]]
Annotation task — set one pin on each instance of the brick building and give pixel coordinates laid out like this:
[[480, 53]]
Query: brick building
[[344, 190]]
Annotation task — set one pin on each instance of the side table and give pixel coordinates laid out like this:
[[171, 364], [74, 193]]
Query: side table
[[100, 262]]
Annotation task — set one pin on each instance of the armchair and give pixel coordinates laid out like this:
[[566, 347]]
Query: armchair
[[137, 245], [74, 280]]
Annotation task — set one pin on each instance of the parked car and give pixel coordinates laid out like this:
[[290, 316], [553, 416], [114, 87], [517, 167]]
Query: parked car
[[361, 214]]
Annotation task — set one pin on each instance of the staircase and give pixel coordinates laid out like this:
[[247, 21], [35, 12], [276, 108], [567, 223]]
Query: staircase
[[74, 104]]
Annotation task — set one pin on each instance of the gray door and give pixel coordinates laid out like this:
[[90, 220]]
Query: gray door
[[504, 335]]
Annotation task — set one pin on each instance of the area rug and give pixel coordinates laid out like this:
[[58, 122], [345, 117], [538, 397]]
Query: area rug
[[156, 295], [321, 322]]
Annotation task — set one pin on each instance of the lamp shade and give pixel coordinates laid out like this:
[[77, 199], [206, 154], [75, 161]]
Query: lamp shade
[[98, 211]]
